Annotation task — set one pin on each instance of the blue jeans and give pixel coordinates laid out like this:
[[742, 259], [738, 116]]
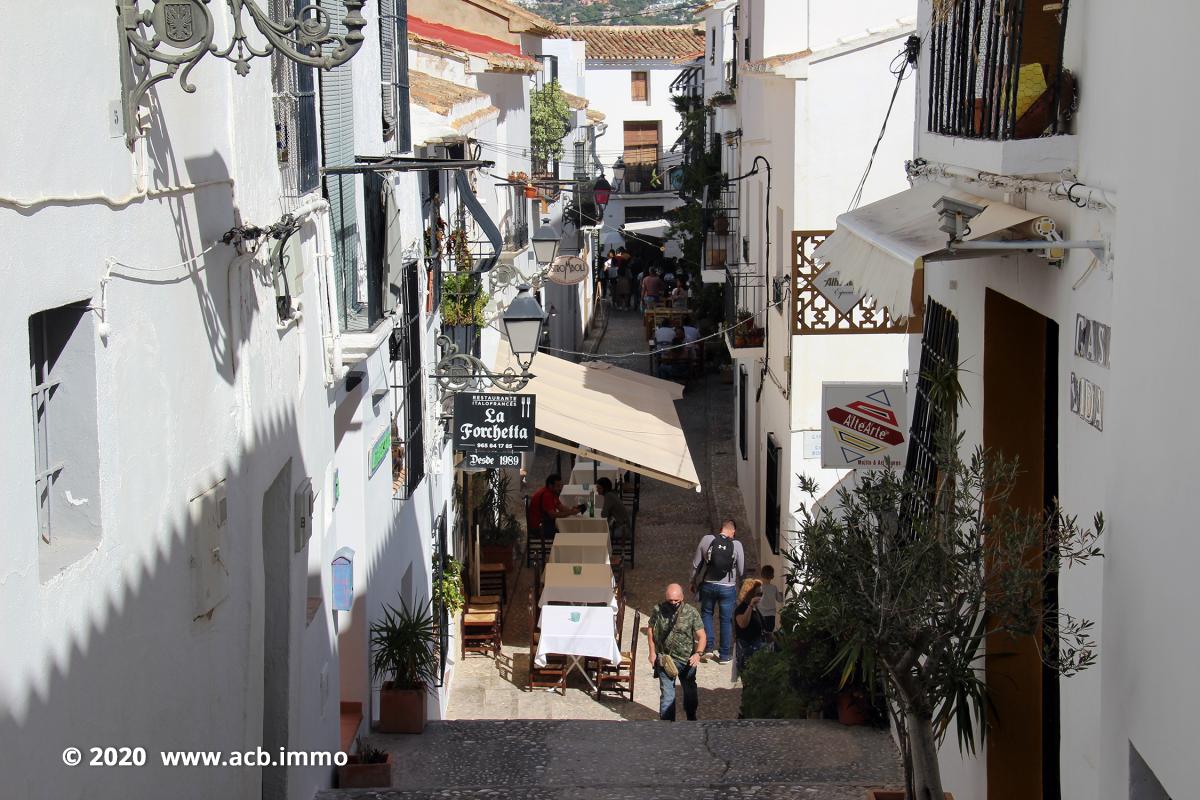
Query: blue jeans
[[724, 595], [666, 696]]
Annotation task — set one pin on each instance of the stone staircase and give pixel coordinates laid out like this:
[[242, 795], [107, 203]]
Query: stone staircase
[[639, 760]]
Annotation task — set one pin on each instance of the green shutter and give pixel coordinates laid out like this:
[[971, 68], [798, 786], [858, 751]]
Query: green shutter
[[337, 139]]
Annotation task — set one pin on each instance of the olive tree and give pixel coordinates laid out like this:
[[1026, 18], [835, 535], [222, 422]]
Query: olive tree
[[911, 576]]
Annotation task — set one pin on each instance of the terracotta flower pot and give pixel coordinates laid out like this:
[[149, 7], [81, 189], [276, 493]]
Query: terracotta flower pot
[[852, 708], [530, 191], [401, 710], [356, 775]]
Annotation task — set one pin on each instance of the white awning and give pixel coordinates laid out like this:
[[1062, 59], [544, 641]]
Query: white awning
[[613, 415], [653, 227], [880, 246]]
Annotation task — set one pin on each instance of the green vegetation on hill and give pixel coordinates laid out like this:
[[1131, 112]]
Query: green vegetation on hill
[[614, 12]]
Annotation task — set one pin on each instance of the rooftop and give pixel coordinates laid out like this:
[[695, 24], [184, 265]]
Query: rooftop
[[438, 95], [637, 42]]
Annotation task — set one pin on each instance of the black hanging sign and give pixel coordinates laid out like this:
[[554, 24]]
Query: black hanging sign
[[493, 423]]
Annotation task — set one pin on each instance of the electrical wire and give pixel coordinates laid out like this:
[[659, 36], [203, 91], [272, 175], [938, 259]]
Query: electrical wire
[[112, 263], [901, 66]]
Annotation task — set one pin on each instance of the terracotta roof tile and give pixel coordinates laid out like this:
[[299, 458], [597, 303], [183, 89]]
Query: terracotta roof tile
[[438, 95], [595, 116], [531, 22], [773, 62], [575, 101], [637, 42]]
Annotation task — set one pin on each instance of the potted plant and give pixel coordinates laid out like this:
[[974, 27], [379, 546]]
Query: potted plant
[[460, 248], [463, 302], [367, 768], [716, 258], [448, 592], [959, 559], [499, 528], [404, 658], [530, 191]]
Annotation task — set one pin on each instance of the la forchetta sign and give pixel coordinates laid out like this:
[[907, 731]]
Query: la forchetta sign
[[567, 271], [493, 423], [863, 425]]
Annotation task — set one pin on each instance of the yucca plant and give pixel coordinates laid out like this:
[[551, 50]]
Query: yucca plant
[[404, 647]]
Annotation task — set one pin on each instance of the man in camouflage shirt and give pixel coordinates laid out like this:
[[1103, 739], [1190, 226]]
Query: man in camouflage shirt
[[676, 630]]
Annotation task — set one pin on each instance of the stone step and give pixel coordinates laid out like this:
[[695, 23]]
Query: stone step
[[582, 760]]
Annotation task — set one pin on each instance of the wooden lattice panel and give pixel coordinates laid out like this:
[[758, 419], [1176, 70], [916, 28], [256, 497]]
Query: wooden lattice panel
[[813, 313]]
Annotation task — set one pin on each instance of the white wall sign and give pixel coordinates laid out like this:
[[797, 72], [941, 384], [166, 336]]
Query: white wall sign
[[1091, 340], [844, 296], [1087, 401], [567, 270], [863, 425]]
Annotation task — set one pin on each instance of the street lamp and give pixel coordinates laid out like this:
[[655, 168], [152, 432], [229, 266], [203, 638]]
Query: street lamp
[[522, 322], [618, 169], [601, 192], [545, 244]]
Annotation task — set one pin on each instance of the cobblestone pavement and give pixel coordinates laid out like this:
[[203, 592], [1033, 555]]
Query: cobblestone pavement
[[591, 760], [670, 522]]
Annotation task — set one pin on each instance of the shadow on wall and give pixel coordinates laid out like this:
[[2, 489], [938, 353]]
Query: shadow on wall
[[171, 657]]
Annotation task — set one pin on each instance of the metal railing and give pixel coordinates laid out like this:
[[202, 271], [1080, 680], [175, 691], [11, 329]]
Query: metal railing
[[689, 82], [661, 175], [745, 305], [996, 70], [514, 228]]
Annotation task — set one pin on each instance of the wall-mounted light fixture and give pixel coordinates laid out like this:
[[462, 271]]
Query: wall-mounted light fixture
[[178, 33], [522, 322]]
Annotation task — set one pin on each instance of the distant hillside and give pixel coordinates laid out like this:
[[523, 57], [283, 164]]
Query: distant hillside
[[614, 12]]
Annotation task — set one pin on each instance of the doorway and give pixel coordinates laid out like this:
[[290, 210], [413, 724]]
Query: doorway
[[277, 554], [1019, 420]]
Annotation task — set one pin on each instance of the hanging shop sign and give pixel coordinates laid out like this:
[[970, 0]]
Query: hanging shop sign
[[567, 270], [499, 423], [863, 425], [1092, 339], [844, 295], [481, 461]]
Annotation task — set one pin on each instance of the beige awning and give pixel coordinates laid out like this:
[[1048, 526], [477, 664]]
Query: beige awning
[[880, 246], [616, 416]]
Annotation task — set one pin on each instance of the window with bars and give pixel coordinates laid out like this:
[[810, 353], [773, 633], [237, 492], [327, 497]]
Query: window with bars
[[639, 86], [62, 369], [743, 391], [515, 226], [408, 454], [933, 410], [295, 106], [771, 499], [393, 73]]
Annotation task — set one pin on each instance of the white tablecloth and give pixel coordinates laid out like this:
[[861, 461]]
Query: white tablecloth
[[585, 631], [593, 584], [582, 524], [573, 494], [580, 547]]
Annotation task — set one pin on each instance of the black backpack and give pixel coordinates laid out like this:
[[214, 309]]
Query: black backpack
[[721, 558]]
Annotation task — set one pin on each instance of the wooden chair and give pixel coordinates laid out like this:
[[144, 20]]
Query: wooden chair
[[493, 579], [487, 602], [481, 632], [554, 674], [619, 678]]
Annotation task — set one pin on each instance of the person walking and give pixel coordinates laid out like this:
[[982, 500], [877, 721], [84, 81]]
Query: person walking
[[676, 640], [718, 565], [748, 622]]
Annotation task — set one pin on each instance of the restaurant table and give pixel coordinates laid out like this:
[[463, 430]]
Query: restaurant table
[[580, 547], [582, 524], [578, 632], [573, 494], [593, 584]]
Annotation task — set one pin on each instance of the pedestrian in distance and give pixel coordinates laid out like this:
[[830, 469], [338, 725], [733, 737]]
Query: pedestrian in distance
[[718, 565], [772, 598], [751, 632], [676, 641], [545, 507]]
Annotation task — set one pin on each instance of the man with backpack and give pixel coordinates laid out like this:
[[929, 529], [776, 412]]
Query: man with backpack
[[717, 567]]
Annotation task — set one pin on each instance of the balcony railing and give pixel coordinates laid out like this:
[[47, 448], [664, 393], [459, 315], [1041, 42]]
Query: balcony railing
[[996, 70], [514, 227], [662, 175], [745, 307], [731, 74], [689, 82]]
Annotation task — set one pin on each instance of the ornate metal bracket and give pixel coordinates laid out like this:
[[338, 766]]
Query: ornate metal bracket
[[460, 372], [181, 33]]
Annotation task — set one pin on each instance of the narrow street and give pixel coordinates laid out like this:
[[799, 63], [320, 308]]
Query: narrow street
[[503, 741]]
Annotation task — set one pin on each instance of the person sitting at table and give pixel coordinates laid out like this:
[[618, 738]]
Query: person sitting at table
[[677, 634], [545, 507], [613, 510], [691, 334]]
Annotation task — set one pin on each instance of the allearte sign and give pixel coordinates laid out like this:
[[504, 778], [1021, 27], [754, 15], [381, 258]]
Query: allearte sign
[[567, 270], [863, 425], [501, 423]]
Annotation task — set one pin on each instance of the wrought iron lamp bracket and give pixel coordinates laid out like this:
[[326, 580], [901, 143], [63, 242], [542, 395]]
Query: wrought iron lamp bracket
[[179, 33], [460, 372]]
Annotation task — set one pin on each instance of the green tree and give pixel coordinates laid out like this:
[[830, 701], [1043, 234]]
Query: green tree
[[910, 579], [549, 121]]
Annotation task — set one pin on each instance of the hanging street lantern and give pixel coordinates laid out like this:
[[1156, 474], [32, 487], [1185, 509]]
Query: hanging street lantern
[[545, 244]]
